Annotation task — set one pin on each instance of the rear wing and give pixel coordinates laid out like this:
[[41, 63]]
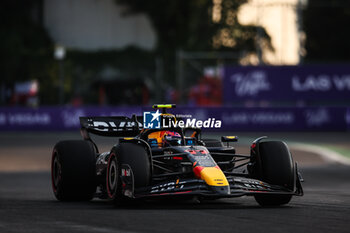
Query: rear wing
[[117, 126]]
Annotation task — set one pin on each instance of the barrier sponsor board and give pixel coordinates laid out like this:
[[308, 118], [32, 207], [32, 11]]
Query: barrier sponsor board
[[55, 118], [313, 83], [233, 119]]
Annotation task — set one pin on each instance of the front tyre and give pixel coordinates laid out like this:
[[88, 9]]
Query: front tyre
[[272, 199], [73, 170], [274, 166], [137, 158]]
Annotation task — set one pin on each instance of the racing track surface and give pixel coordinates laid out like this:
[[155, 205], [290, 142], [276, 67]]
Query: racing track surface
[[28, 205]]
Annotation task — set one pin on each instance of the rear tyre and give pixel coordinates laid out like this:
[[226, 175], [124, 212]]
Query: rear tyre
[[137, 158], [212, 142], [274, 166], [73, 170]]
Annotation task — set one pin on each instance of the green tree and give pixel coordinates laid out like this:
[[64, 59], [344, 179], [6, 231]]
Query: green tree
[[190, 25], [196, 25]]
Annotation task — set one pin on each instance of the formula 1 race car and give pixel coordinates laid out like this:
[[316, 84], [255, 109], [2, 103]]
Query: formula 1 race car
[[171, 161]]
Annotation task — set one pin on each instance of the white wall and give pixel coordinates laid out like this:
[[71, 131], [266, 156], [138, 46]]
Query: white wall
[[96, 24]]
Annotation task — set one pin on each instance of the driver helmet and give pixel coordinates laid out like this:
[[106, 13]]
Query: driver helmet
[[171, 138]]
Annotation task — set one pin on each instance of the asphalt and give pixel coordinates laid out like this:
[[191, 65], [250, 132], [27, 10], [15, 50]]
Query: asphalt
[[27, 203]]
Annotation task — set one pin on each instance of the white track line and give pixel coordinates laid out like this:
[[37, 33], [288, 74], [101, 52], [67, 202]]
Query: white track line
[[327, 154]]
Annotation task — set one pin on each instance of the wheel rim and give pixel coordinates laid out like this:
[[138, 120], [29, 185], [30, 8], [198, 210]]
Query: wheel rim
[[112, 175]]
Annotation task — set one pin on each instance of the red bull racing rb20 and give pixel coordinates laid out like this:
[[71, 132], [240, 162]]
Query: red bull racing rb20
[[169, 162]]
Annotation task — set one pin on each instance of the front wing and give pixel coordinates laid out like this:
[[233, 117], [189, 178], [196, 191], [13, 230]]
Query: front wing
[[239, 186]]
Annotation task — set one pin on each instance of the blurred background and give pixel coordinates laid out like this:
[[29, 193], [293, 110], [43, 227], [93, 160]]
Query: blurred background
[[273, 64], [257, 65]]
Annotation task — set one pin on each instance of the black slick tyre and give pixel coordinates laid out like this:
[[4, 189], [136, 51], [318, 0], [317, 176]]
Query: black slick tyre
[[275, 166], [212, 142], [73, 170], [137, 158]]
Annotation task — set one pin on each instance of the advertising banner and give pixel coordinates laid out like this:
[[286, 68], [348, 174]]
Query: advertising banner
[[311, 84], [221, 118], [55, 118]]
